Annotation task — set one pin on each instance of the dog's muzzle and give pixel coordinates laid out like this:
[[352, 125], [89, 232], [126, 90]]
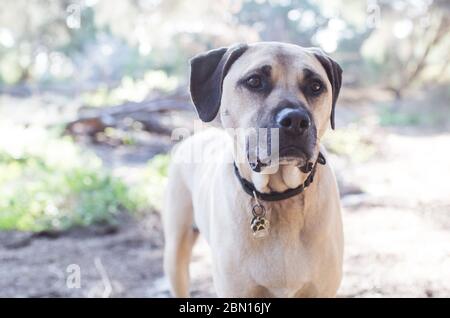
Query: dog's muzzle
[[291, 138], [294, 133]]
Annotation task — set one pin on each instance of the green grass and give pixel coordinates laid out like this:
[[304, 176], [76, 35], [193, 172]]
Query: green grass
[[148, 191], [49, 183]]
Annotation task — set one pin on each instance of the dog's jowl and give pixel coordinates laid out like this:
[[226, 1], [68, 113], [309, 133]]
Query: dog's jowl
[[269, 210]]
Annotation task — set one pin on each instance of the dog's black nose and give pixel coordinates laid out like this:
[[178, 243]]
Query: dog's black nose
[[294, 121]]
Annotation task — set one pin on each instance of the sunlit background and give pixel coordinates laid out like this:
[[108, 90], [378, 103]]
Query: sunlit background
[[91, 90]]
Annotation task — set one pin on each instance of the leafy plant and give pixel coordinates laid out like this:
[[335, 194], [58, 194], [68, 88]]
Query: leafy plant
[[149, 191], [50, 183]]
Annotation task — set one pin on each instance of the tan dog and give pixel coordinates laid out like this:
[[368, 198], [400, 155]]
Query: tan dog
[[296, 251]]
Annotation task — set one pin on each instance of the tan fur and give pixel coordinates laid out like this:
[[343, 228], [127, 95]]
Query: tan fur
[[302, 256]]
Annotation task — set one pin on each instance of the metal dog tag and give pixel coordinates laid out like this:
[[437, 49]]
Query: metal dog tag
[[260, 227]]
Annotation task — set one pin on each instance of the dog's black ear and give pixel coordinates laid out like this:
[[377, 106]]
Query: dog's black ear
[[334, 73], [207, 73]]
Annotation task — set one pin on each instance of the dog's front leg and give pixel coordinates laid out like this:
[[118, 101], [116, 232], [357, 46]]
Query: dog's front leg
[[179, 235]]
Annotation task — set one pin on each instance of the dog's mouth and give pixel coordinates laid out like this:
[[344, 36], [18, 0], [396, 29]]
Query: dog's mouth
[[258, 163], [264, 149], [291, 155]]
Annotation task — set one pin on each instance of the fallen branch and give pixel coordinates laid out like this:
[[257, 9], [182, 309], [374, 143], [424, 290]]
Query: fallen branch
[[94, 120]]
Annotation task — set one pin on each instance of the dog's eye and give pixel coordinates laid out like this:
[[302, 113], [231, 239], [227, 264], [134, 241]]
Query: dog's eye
[[316, 87], [254, 82]]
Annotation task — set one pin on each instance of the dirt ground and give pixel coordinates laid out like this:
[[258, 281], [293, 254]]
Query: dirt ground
[[396, 212]]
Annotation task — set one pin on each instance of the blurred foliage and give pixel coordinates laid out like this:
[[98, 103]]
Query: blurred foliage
[[410, 46], [149, 190], [390, 117], [92, 44], [49, 183], [352, 142], [131, 90]]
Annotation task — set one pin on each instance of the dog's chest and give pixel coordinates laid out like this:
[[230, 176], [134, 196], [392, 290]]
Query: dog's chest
[[280, 263], [285, 263]]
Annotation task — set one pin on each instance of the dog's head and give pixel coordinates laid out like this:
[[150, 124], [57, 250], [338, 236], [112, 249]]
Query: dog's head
[[282, 87]]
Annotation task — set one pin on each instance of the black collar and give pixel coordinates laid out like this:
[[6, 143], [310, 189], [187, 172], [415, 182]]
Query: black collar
[[250, 189]]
